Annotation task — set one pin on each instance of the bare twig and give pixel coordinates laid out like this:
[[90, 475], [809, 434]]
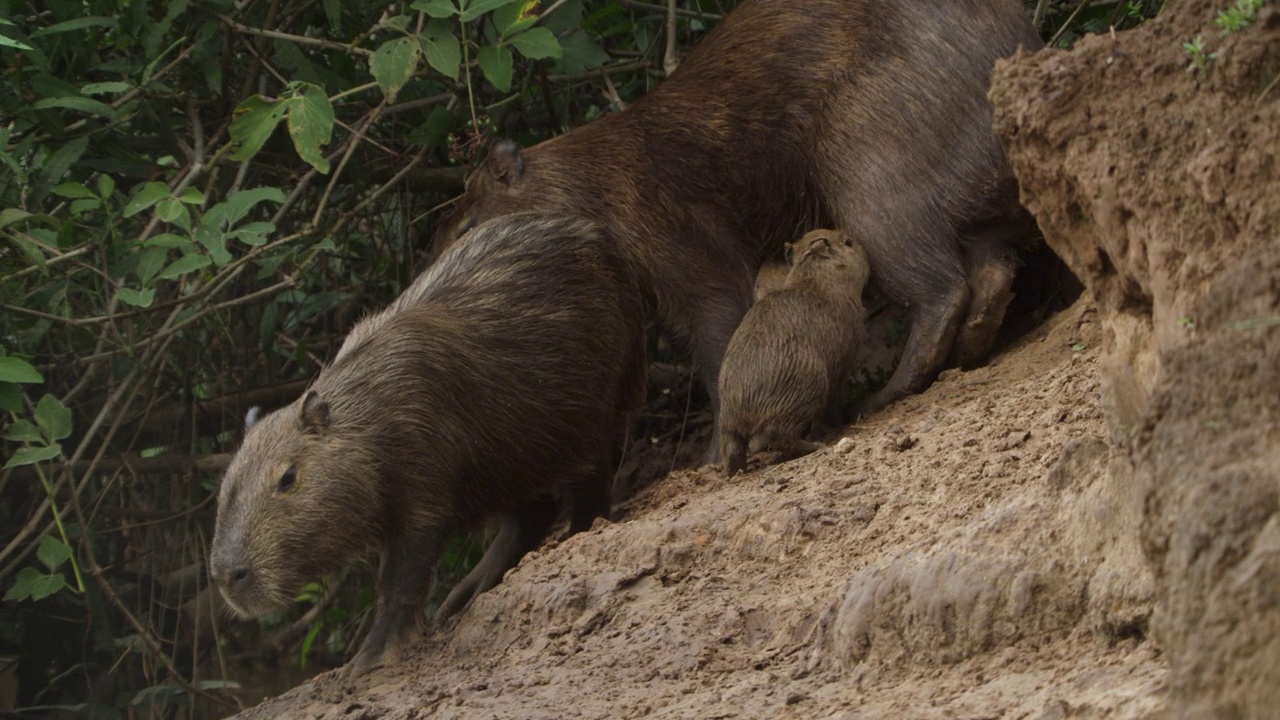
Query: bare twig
[[670, 60]]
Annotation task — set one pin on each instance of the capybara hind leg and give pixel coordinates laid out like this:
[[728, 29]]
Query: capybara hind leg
[[519, 532], [591, 498], [800, 447], [991, 288], [403, 580], [933, 331]]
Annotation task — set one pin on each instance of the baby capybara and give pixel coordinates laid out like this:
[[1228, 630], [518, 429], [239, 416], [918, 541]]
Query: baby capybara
[[869, 115], [788, 362], [500, 377]]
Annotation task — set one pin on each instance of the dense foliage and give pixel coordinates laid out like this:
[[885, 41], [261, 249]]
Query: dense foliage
[[196, 200]]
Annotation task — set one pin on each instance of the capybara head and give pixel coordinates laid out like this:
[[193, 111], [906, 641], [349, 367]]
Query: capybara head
[[493, 189], [824, 256], [299, 500]]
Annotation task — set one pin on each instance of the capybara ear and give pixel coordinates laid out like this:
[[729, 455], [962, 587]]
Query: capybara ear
[[251, 417], [505, 161], [315, 413], [788, 253]]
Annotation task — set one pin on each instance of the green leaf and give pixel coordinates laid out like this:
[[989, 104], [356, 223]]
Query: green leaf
[[476, 8], [333, 13], [106, 186], [151, 260], [254, 233], [255, 120], [496, 63], [184, 265], [32, 454], [393, 64], [433, 132], [192, 196], [171, 210], [9, 216], [72, 190], [215, 241], [24, 431], [52, 552], [239, 205], [147, 195], [62, 159], [76, 24], [311, 125], [138, 298], [10, 397], [441, 48], [513, 18], [80, 104], [581, 53], [17, 370], [17, 45], [22, 584], [168, 240], [537, 44], [436, 8], [47, 585], [105, 88], [53, 417]]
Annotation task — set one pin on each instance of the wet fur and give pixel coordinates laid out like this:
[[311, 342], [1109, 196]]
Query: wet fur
[[870, 115], [787, 365], [502, 375]]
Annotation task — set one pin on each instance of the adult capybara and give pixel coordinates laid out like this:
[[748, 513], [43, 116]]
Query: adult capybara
[[787, 365], [500, 377], [869, 115]]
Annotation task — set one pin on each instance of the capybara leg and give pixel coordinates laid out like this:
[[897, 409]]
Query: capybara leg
[[403, 581], [519, 531], [800, 447], [933, 330], [991, 291], [735, 453], [591, 498], [715, 325]]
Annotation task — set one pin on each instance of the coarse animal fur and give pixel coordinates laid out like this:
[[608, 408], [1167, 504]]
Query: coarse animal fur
[[789, 361], [870, 115], [502, 375]]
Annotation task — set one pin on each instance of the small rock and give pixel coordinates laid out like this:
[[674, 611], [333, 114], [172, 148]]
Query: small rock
[[845, 446]]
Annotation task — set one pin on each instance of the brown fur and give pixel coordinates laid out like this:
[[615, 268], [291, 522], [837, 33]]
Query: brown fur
[[501, 375], [869, 115], [788, 362]]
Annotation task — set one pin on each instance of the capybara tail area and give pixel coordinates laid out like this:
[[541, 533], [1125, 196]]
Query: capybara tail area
[[734, 451]]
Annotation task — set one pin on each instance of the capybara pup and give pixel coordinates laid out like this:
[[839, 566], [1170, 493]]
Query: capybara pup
[[869, 115], [501, 377], [788, 361]]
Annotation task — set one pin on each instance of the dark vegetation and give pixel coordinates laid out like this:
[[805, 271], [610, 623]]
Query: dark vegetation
[[171, 256]]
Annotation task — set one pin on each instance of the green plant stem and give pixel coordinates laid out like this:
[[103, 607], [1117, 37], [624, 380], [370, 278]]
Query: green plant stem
[[62, 530], [466, 69]]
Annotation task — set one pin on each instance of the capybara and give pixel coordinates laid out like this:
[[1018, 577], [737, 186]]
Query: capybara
[[501, 377], [787, 365], [869, 115]]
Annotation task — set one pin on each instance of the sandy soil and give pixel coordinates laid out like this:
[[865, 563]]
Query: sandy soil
[[924, 565]]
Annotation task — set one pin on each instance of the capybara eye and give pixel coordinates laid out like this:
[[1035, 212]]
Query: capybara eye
[[288, 478]]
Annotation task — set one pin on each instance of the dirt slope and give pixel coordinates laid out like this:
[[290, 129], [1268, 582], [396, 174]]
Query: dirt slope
[[932, 564], [1086, 527]]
